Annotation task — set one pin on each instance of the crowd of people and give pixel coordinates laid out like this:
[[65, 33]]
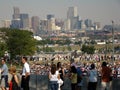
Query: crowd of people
[[74, 70], [81, 57], [102, 69]]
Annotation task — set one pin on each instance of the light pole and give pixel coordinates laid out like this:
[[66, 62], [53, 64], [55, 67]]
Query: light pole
[[105, 39], [112, 41]]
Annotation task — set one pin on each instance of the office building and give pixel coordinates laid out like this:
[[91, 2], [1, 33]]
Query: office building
[[6, 23], [35, 23], [16, 14], [67, 24], [43, 25], [83, 26], [24, 18], [97, 25], [50, 16], [72, 12], [51, 24], [72, 15], [88, 23], [15, 23]]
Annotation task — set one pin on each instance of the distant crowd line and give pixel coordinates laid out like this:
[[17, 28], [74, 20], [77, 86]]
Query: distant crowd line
[[86, 57]]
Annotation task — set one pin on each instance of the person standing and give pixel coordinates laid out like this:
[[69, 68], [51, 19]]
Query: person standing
[[105, 77], [25, 74], [79, 77], [60, 69], [118, 72], [92, 75], [4, 76], [73, 78], [53, 77], [14, 83]]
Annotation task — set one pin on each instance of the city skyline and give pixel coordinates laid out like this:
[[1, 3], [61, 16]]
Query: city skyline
[[103, 11]]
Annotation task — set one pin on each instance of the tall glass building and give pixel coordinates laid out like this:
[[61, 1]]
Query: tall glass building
[[72, 15]]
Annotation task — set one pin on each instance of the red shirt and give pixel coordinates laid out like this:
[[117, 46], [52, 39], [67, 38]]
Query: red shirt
[[106, 73]]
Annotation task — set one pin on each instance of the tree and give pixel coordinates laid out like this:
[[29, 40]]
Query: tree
[[68, 42], [20, 42], [88, 49], [69, 48], [3, 48], [3, 45]]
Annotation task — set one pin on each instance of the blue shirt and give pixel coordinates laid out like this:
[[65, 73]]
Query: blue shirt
[[4, 69]]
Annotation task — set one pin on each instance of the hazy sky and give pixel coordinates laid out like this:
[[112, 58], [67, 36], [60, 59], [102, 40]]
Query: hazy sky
[[97, 10]]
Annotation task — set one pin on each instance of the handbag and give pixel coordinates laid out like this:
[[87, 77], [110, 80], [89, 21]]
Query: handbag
[[60, 82], [10, 85]]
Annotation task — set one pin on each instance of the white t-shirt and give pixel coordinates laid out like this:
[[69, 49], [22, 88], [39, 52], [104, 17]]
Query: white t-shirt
[[0, 73], [93, 76], [118, 74], [26, 69], [54, 77]]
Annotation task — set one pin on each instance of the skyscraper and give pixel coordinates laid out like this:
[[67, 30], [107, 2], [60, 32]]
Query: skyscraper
[[16, 18], [72, 12], [72, 15], [44, 25], [50, 16], [16, 23], [67, 24], [16, 13], [24, 18], [50, 22], [35, 23], [88, 23]]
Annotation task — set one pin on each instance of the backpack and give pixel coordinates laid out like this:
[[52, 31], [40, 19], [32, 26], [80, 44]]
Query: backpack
[[79, 75]]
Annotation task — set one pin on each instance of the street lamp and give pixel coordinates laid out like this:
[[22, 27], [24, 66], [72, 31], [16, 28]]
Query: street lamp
[[112, 41], [105, 37]]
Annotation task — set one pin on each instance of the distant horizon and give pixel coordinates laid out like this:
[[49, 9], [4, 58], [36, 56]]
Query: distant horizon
[[103, 11]]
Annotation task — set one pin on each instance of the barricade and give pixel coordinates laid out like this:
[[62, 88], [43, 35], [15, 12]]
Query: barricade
[[116, 84], [41, 82]]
